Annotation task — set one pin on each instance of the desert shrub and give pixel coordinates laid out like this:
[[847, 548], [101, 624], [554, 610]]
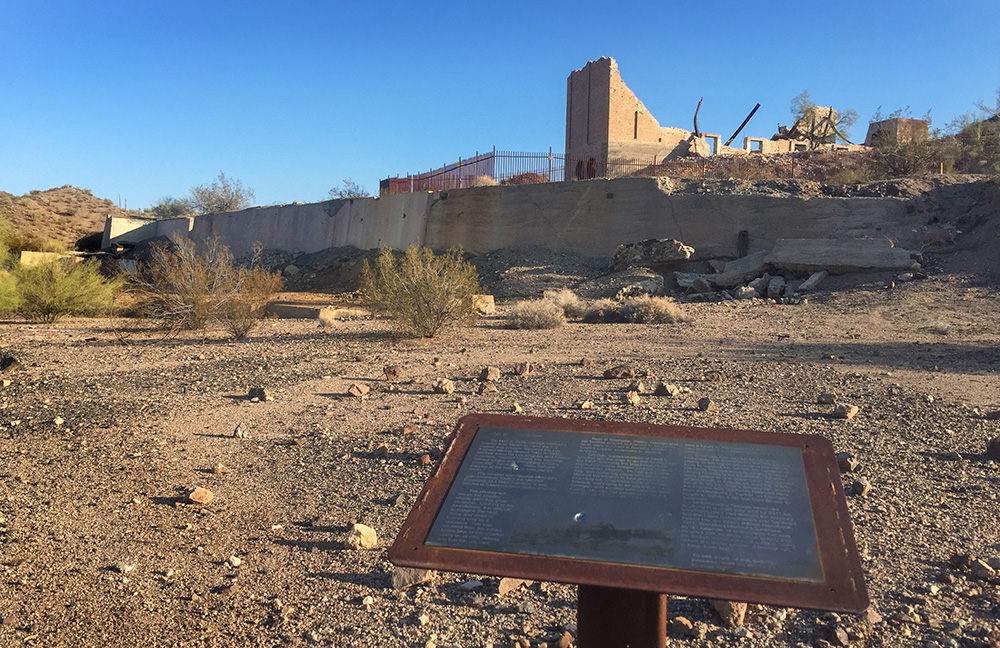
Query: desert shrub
[[422, 291], [247, 304], [651, 310], [536, 314], [9, 298], [602, 311], [568, 301], [49, 291], [181, 288], [643, 309], [223, 195]]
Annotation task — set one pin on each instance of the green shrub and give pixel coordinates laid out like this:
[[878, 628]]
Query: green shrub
[[572, 306], [49, 291], [422, 291], [536, 314], [9, 297], [181, 288]]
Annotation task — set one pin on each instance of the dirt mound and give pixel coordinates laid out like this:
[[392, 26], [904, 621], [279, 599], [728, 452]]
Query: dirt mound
[[61, 215], [526, 271]]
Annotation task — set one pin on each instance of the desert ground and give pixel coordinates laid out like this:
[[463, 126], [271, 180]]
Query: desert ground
[[99, 441]]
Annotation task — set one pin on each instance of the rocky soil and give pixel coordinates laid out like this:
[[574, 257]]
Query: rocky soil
[[100, 444]]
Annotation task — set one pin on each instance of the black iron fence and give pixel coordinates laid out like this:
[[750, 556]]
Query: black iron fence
[[512, 168]]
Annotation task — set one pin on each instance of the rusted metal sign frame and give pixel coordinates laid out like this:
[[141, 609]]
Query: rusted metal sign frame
[[843, 588]]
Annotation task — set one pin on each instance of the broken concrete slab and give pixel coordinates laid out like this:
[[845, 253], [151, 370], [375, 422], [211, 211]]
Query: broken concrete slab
[[686, 280], [740, 271], [650, 252], [839, 256], [810, 284]]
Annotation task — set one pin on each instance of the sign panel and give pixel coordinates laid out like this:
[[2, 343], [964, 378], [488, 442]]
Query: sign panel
[[722, 513]]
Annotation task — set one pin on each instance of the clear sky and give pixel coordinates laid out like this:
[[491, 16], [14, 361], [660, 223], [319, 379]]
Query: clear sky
[[147, 98]]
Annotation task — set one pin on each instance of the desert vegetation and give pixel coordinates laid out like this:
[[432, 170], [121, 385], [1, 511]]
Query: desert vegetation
[[182, 288], [421, 291]]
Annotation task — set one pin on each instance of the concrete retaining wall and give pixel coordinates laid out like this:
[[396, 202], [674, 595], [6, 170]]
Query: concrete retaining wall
[[589, 216]]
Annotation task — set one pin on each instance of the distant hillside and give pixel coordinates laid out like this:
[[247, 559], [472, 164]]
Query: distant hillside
[[61, 215]]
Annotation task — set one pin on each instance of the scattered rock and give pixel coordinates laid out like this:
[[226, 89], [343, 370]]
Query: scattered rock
[[57, 421], [845, 411], [861, 487], [425, 459], [443, 386], [708, 405], [516, 408], [713, 375], [847, 462], [827, 398], [565, 641], [8, 364], [241, 432], [637, 386], [123, 567], [471, 585], [508, 585], [744, 292], [585, 405], [621, 372], [732, 613], [361, 537], [980, 569], [632, 398], [259, 395], [524, 369], [489, 374], [993, 448], [359, 390], [776, 288], [666, 389], [484, 304], [487, 388], [681, 626], [198, 495], [234, 561], [406, 577], [391, 373], [220, 469]]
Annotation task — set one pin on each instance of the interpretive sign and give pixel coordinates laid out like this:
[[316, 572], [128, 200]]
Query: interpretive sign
[[741, 515]]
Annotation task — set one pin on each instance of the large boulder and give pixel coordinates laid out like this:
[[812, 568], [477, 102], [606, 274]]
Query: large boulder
[[650, 252]]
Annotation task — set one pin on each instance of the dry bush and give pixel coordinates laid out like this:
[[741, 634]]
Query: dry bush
[[183, 289], [536, 314], [643, 309], [49, 291], [422, 291], [566, 299], [484, 180], [603, 311], [651, 310]]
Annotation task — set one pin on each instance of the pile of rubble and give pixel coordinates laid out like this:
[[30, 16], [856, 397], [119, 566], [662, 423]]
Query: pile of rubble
[[793, 267]]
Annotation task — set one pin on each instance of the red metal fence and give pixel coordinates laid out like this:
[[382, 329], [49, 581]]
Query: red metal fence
[[510, 168]]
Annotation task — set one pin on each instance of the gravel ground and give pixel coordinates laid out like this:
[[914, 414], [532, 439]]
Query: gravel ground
[[98, 442]]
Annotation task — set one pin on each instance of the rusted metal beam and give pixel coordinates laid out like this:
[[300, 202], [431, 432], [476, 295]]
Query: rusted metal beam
[[745, 121], [696, 133]]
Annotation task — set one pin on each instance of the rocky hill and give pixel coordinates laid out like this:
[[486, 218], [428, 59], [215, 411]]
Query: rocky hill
[[56, 217]]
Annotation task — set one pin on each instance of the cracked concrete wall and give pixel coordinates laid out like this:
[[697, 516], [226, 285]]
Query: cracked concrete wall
[[592, 217]]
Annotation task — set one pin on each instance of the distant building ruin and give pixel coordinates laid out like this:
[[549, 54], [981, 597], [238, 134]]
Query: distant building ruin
[[897, 130], [606, 121]]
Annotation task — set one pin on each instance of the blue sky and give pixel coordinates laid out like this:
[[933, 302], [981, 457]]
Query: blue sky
[[147, 98]]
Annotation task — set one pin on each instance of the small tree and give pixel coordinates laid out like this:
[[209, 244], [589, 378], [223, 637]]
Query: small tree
[[350, 189], [223, 195], [820, 126], [422, 291], [170, 207]]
